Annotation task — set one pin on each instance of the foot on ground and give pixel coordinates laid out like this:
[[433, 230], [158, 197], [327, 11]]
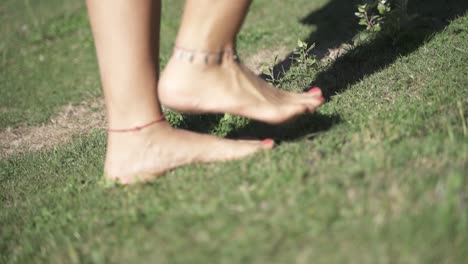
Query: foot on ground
[[230, 87], [144, 155]]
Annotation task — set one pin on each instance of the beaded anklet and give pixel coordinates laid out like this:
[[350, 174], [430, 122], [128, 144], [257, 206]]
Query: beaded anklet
[[202, 56]]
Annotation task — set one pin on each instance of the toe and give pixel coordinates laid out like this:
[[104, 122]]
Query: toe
[[313, 104], [315, 91], [311, 99], [267, 143]]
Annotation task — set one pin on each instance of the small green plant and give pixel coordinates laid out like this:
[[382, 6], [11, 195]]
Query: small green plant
[[372, 14], [174, 118], [269, 71], [302, 55], [301, 58], [229, 123], [382, 15], [302, 61]]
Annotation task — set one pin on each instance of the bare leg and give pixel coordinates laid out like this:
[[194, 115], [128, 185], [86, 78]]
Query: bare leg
[[126, 32], [227, 86]]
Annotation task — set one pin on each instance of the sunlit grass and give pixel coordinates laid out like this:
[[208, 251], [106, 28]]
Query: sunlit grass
[[378, 175]]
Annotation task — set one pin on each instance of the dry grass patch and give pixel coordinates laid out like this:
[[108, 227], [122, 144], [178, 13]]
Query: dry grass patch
[[72, 120], [257, 61]]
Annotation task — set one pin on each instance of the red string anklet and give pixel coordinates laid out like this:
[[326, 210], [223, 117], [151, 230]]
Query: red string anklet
[[137, 128]]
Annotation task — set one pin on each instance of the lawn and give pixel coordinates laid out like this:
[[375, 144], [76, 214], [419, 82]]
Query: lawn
[[377, 175]]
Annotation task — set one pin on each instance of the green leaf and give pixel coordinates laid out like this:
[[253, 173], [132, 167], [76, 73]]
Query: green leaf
[[377, 28], [301, 44], [360, 15], [381, 8]]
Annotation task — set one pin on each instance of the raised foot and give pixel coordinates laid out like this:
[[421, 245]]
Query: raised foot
[[232, 88], [144, 155]]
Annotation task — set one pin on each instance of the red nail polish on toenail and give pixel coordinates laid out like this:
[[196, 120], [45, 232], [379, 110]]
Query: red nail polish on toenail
[[314, 90], [267, 141]]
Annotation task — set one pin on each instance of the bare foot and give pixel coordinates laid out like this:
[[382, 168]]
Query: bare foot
[[146, 154], [230, 87]]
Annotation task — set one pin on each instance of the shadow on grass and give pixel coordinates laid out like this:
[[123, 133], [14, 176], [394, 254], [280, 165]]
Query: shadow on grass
[[307, 126], [204, 123], [430, 17], [336, 24]]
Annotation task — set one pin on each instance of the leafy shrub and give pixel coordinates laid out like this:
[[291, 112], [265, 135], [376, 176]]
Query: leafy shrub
[[300, 59]]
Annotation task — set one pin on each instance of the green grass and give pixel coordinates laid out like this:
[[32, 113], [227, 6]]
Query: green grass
[[379, 175]]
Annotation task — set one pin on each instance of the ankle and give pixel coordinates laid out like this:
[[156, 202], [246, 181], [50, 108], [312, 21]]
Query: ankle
[[224, 54], [124, 116], [137, 127], [122, 138]]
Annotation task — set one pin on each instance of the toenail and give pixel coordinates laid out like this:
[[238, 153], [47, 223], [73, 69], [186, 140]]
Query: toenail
[[267, 141], [314, 90]]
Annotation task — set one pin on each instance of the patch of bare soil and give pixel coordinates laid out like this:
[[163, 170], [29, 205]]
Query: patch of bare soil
[[265, 57], [335, 53], [72, 120]]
